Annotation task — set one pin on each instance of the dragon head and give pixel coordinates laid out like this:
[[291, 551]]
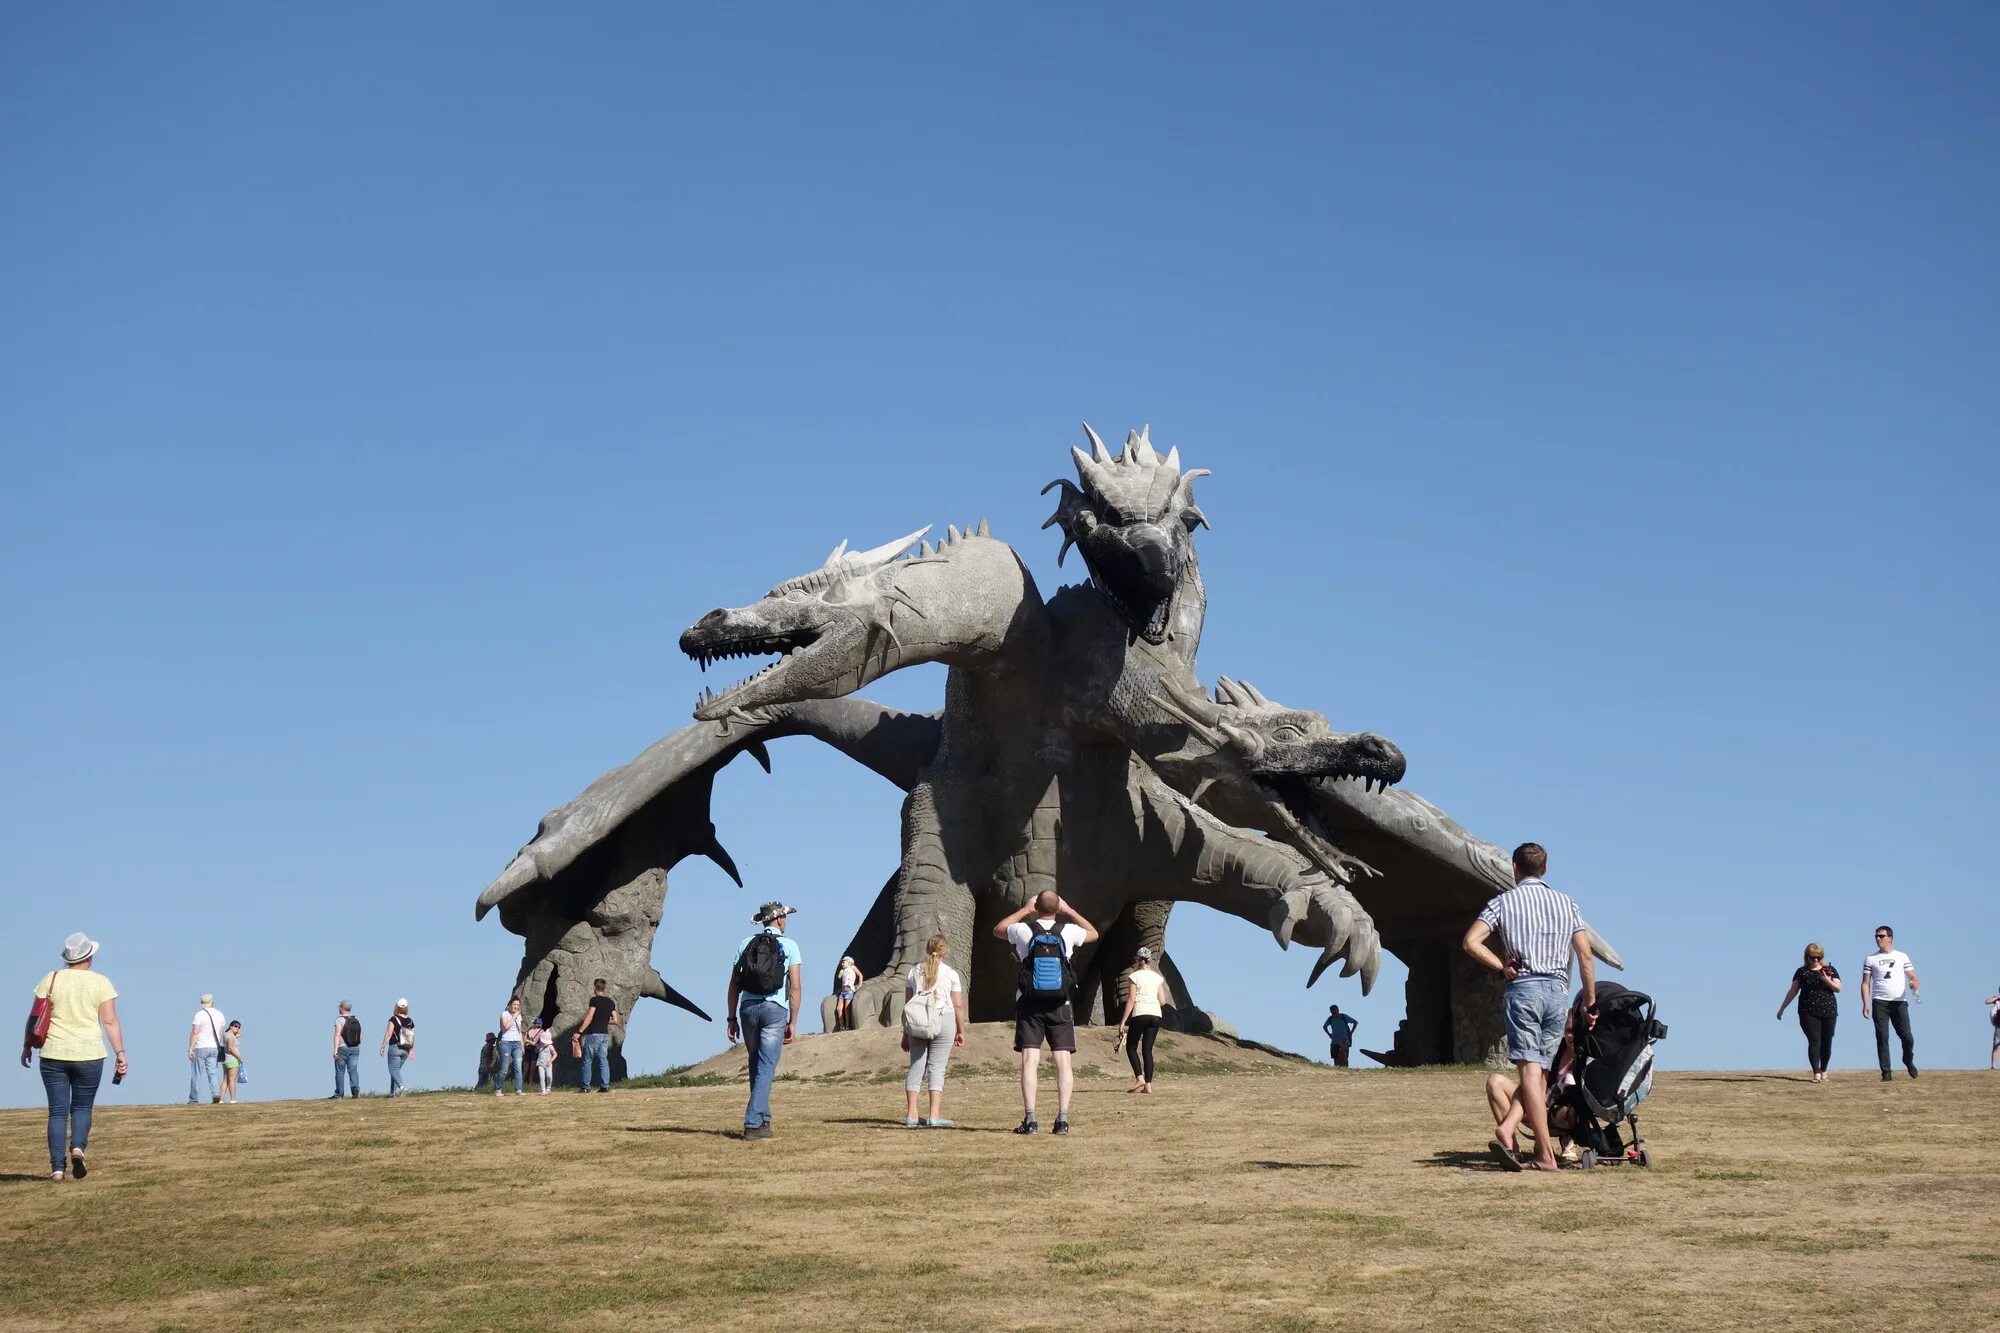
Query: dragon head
[[1262, 765], [1133, 517], [863, 614]]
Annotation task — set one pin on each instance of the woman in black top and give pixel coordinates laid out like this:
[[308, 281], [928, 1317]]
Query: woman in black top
[[1815, 984]]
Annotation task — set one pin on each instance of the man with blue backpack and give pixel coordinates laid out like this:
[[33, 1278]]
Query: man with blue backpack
[[764, 991], [1045, 945]]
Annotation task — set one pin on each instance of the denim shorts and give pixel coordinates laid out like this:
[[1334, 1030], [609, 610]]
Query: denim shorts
[[1535, 1008]]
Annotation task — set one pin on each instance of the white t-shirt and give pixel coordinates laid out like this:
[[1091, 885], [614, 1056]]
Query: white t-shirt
[[209, 1025], [948, 982], [1886, 974], [1148, 986], [1022, 934], [510, 1027]]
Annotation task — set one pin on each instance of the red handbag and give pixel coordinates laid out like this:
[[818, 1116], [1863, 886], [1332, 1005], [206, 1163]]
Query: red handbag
[[39, 1015]]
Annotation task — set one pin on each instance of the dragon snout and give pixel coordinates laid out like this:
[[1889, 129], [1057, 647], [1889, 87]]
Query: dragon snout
[[703, 631], [1379, 757]]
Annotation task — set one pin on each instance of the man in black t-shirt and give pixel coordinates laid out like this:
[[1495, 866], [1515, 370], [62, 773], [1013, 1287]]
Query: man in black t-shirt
[[596, 1034]]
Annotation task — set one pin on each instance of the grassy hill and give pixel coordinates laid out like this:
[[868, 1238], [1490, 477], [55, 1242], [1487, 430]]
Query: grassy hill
[[1249, 1192]]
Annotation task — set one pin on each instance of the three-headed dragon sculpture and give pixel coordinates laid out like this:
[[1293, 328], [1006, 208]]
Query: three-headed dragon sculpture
[[1076, 750]]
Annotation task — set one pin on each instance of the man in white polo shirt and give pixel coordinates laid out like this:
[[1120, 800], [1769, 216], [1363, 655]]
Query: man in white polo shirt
[[204, 1044], [1887, 978]]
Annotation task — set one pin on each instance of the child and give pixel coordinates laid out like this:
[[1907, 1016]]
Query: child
[[543, 1043], [846, 980], [232, 1060]]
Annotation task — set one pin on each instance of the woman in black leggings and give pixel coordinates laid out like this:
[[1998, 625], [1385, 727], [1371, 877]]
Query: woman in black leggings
[[1145, 993], [1815, 984]]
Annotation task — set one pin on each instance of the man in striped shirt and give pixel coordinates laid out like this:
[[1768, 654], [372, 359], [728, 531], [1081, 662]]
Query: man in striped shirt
[[1539, 930]]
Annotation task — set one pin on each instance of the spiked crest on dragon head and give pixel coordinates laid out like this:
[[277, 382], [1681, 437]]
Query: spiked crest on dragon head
[[1133, 518]]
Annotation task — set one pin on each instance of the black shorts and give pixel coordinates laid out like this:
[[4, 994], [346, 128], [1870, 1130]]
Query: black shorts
[[1036, 1020]]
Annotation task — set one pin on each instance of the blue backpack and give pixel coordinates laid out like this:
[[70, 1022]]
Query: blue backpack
[[1045, 973]]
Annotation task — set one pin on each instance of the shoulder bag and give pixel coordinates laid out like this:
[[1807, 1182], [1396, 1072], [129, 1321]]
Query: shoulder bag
[[40, 1014]]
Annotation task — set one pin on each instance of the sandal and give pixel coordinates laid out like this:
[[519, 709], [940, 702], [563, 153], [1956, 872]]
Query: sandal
[[1508, 1158]]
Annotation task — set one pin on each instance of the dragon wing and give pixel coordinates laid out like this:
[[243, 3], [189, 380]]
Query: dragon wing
[[655, 809], [1434, 876]]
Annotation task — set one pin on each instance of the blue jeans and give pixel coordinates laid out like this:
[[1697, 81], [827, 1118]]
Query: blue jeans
[[507, 1055], [72, 1089], [204, 1075], [597, 1051], [1535, 1008], [347, 1071], [763, 1023], [396, 1057]]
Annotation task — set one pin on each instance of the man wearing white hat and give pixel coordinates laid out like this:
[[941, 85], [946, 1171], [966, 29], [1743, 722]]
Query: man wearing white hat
[[204, 1043], [764, 994]]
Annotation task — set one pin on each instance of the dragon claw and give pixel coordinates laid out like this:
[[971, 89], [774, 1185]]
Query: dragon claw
[[1333, 920]]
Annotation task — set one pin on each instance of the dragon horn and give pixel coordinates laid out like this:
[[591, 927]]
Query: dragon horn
[[1140, 447], [1184, 492], [838, 552], [1256, 696], [863, 561], [1097, 448], [1093, 476], [1173, 462], [1178, 708]]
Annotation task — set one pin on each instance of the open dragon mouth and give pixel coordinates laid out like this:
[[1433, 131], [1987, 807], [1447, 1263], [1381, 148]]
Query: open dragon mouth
[[790, 647], [1307, 828], [1150, 616]]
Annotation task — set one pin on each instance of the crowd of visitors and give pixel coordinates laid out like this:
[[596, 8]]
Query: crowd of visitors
[[1531, 935]]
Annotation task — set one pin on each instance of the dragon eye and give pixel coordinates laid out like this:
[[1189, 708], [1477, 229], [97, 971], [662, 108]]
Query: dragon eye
[[1288, 733]]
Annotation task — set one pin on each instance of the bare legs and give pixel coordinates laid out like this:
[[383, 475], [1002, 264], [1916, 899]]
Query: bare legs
[[1535, 1101], [1031, 1068]]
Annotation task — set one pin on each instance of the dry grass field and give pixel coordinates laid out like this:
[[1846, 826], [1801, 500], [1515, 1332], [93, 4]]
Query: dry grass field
[[1247, 1193]]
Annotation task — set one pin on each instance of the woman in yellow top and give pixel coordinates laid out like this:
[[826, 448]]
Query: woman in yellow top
[[1145, 992], [83, 1009]]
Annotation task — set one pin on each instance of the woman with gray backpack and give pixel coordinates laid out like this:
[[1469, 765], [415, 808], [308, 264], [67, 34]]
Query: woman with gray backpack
[[933, 1023]]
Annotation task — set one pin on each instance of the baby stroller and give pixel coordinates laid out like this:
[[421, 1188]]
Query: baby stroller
[[1613, 1075]]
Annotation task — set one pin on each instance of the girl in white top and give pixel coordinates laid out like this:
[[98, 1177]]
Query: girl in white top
[[938, 984], [544, 1044], [846, 981], [1145, 993]]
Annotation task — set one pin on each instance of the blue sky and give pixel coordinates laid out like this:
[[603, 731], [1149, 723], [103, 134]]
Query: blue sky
[[1600, 404]]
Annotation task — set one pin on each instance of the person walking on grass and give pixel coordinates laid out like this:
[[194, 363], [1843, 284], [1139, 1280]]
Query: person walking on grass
[[764, 997], [1993, 1017], [509, 1050], [933, 1023], [1045, 945], [1145, 996], [1540, 929], [346, 1053], [1815, 983], [204, 1053], [399, 1044], [596, 1034], [1887, 979], [1339, 1029], [81, 1011], [232, 1059]]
